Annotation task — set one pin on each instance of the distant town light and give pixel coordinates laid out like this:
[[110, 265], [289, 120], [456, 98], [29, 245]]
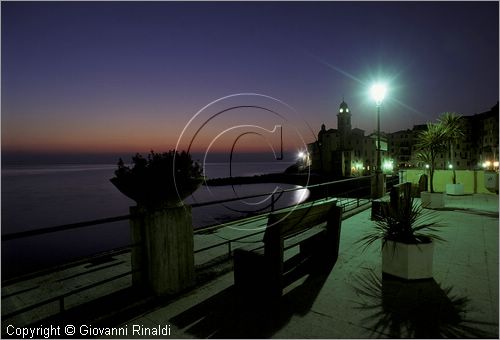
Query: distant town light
[[495, 164], [378, 92], [486, 164]]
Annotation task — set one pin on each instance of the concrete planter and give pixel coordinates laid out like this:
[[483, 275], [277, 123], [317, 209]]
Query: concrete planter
[[164, 249], [455, 189], [433, 200], [408, 261]]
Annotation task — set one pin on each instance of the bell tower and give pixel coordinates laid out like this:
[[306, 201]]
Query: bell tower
[[344, 124]]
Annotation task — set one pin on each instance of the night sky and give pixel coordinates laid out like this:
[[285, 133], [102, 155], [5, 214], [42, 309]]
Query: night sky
[[128, 76]]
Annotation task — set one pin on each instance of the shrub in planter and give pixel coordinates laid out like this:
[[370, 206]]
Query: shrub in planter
[[160, 179], [407, 235]]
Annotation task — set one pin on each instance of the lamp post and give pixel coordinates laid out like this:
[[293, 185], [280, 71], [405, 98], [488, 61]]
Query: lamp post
[[378, 92]]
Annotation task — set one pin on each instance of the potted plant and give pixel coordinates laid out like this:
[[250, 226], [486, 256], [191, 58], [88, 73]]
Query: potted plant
[[432, 141], [454, 131], [406, 232], [161, 226], [163, 179]]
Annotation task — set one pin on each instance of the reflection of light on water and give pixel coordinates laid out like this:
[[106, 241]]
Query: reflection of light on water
[[300, 195], [223, 212]]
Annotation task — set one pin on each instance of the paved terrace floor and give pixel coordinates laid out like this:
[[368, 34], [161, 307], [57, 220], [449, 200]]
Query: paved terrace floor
[[353, 300]]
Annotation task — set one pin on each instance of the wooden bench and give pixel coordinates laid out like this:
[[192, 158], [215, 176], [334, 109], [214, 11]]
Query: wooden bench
[[380, 207], [262, 270], [399, 198]]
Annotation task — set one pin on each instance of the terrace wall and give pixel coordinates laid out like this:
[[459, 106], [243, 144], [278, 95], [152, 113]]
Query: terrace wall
[[473, 180]]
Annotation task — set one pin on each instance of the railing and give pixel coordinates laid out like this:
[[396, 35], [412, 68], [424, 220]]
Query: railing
[[328, 192]]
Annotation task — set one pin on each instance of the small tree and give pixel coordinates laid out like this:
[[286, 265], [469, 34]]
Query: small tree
[[454, 130], [432, 142]]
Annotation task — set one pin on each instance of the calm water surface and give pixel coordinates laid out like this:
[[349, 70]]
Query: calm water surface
[[42, 196]]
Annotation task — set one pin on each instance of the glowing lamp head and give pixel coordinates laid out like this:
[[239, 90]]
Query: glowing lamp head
[[388, 165], [495, 164], [450, 166], [427, 166], [378, 92], [301, 155]]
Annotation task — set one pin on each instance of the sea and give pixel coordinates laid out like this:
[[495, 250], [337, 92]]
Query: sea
[[39, 196]]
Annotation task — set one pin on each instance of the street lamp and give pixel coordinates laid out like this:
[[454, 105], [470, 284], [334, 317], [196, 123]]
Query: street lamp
[[378, 92]]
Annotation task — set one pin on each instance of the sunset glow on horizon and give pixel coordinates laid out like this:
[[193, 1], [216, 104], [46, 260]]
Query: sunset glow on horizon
[[125, 76]]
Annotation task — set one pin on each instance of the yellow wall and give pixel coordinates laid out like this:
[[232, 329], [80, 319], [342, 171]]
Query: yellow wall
[[442, 177]]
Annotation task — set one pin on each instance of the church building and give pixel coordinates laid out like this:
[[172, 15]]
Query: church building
[[344, 152]]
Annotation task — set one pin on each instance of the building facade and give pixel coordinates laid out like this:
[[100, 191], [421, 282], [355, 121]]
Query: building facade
[[345, 152], [478, 149]]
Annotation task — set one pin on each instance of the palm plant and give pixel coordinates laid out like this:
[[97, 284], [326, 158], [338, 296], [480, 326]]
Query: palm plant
[[431, 142], [454, 130], [409, 224], [423, 157]]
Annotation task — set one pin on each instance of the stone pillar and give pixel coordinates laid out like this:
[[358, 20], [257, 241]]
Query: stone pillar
[[378, 185], [165, 255]]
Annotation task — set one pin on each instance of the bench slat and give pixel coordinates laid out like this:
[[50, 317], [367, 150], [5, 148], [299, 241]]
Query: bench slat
[[289, 223]]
